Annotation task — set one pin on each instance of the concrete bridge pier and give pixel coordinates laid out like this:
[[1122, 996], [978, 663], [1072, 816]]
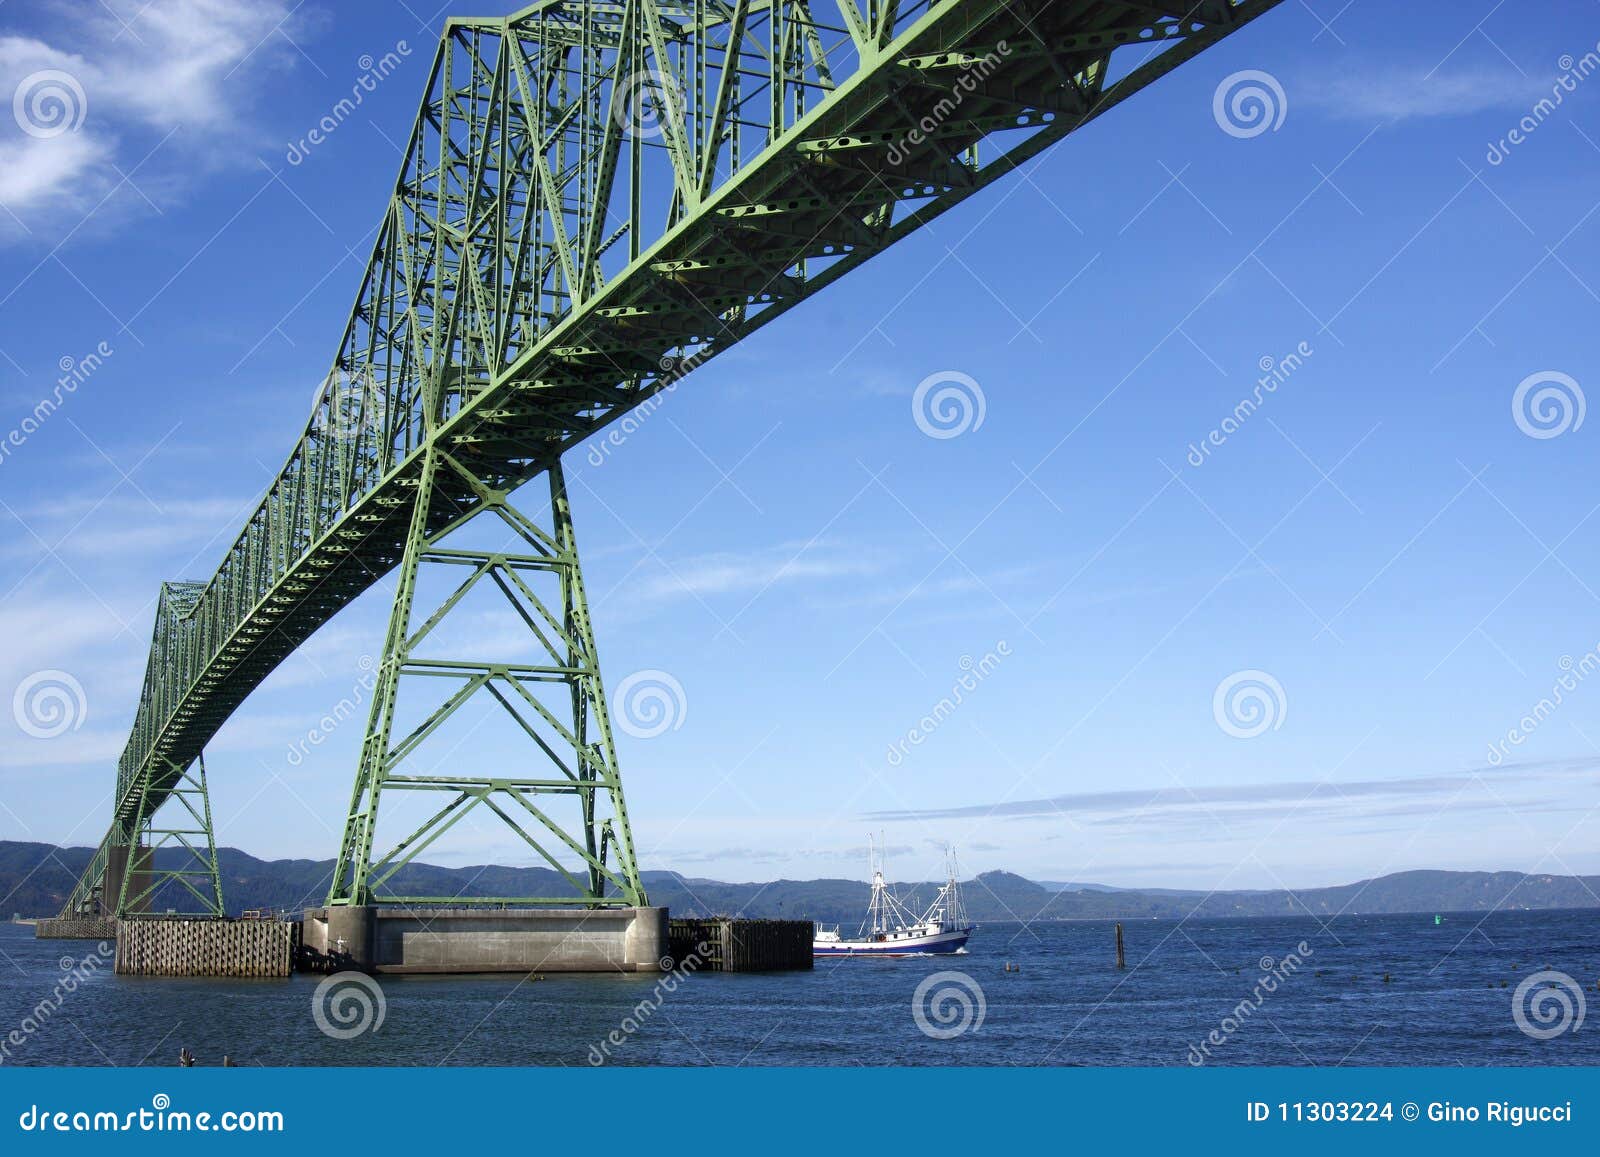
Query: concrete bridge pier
[[377, 938], [117, 859]]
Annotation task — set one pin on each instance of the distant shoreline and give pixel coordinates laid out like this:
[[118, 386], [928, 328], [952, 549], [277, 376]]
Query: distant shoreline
[[1448, 916], [38, 877]]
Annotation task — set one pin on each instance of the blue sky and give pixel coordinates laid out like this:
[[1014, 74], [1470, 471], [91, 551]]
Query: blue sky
[[1407, 570]]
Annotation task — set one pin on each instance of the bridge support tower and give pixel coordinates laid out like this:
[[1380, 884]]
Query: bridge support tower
[[135, 881], [554, 696]]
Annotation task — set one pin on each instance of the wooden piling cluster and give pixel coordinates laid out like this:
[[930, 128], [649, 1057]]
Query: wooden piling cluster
[[75, 930], [727, 944], [233, 948]]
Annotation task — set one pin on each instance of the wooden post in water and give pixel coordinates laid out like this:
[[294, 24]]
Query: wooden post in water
[[1121, 963]]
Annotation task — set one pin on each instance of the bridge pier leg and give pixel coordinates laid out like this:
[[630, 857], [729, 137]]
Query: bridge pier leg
[[134, 880], [127, 869], [564, 798]]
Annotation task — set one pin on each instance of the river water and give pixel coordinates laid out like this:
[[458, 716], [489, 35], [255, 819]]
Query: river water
[[1372, 990]]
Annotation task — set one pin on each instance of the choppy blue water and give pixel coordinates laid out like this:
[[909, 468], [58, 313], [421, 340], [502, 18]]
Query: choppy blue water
[[1448, 999]]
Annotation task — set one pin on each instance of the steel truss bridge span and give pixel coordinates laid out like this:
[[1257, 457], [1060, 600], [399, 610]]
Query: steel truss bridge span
[[596, 197]]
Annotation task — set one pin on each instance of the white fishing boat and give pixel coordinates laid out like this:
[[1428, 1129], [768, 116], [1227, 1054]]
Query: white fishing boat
[[893, 929]]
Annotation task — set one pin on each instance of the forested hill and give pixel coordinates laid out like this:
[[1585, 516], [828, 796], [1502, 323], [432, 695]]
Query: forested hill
[[36, 878]]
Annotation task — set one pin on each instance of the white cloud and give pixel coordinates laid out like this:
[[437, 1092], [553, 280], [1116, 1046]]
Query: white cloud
[[84, 120], [1209, 805], [45, 628], [178, 61], [727, 572], [1397, 93], [99, 527], [91, 748], [32, 171]]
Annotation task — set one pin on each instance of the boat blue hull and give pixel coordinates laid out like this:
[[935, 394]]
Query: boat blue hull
[[932, 945]]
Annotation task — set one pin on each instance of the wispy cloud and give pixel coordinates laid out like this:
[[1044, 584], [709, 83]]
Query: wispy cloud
[[732, 572], [90, 117], [1414, 92], [90, 747], [850, 853], [1177, 803], [100, 526]]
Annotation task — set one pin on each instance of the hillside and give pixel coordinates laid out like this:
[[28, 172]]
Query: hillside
[[36, 878]]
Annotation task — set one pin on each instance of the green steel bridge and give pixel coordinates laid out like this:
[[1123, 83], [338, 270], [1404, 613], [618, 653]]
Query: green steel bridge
[[596, 197]]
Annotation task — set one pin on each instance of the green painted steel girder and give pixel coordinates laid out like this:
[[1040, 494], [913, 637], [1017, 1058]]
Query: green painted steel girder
[[596, 197], [568, 732]]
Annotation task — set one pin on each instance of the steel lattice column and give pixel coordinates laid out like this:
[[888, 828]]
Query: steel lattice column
[[197, 873], [577, 749]]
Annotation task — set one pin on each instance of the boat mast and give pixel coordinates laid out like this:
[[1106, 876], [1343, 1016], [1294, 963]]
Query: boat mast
[[958, 910], [874, 921]]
